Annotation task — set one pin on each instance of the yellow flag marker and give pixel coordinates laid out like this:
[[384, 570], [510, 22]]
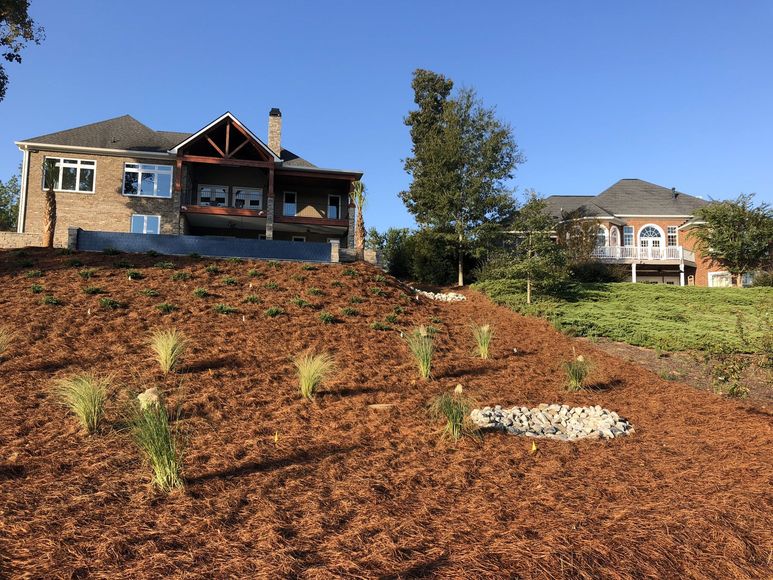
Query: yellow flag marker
[[534, 448], [276, 437]]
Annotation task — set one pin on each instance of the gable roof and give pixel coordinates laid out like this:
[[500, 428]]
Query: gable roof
[[627, 197]]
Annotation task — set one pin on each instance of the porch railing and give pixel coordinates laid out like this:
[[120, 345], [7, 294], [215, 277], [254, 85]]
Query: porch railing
[[636, 253]]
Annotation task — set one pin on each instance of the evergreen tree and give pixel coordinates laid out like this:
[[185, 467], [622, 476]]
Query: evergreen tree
[[9, 203]]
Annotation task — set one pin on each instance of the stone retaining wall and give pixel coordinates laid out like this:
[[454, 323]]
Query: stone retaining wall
[[9, 240]]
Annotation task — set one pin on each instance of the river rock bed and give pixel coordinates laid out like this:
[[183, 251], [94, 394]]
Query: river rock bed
[[554, 421], [441, 296]]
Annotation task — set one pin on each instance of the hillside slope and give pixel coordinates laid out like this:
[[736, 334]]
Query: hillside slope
[[280, 487]]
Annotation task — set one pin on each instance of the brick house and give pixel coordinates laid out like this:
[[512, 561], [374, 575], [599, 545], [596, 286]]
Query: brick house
[[119, 175], [645, 226]]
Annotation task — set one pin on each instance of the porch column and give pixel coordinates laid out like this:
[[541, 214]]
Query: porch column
[[633, 272], [270, 206], [350, 233], [681, 273]]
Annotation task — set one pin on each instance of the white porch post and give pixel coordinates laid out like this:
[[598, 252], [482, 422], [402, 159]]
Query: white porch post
[[681, 274], [633, 272]]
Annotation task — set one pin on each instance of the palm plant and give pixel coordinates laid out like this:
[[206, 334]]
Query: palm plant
[[51, 174], [312, 370], [358, 197]]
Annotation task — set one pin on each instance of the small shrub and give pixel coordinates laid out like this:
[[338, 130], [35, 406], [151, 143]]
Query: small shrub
[[482, 335], [229, 281], [349, 311], [200, 292], [356, 300], [422, 348], [377, 291], [380, 326], [337, 284], [164, 265], [181, 276], [149, 292], [6, 338], [152, 253], [309, 267], [274, 311], [271, 285], [298, 278], [391, 318], [122, 264], [379, 279], [254, 273], [110, 304], [51, 300], [454, 408], [398, 310], [169, 347], [92, 290], [252, 299], [36, 288], [74, 263], [157, 441], [134, 275], [110, 252], [326, 317], [314, 292], [350, 272], [34, 274], [312, 371], [577, 371], [85, 396], [87, 273], [436, 320], [212, 269], [235, 260], [727, 368], [274, 264], [225, 309], [300, 302], [166, 307]]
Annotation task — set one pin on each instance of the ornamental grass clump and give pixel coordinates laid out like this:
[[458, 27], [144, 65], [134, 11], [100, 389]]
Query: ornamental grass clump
[[312, 370], [483, 335], [158, 442], [85, 396], [577, 371], [454, 408], [6, 338], [169, 347], [422, 348]]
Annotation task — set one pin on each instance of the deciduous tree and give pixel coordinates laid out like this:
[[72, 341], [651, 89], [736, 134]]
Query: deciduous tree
[[9, 203], [16, 30]]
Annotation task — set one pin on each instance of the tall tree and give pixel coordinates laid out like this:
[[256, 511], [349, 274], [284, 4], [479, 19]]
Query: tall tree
[[735, 234], [51, 174], [358, 197], [16, 30], [462, 156], [9, 203]]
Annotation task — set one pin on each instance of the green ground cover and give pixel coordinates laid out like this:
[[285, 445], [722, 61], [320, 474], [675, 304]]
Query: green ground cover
[[656, 316]]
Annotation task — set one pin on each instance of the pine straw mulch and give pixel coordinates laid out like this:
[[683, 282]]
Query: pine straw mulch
[[347, 490]]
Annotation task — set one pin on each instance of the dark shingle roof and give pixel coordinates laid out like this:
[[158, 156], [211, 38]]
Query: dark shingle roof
[[639, 197], [128, 133], [626, 197]]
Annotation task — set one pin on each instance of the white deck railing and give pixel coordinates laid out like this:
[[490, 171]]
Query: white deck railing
[[643, 253]]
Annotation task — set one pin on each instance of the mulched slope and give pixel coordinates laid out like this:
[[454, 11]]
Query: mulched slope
[[348, 490]]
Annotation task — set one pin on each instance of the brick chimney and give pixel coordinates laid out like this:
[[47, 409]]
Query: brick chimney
[[275, 130]]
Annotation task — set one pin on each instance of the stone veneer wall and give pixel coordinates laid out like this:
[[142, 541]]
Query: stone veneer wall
[[9, 240]]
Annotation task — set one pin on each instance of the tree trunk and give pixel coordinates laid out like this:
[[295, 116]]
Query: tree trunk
[[359, 235], [460, 263], [739, 280], [49, 223]]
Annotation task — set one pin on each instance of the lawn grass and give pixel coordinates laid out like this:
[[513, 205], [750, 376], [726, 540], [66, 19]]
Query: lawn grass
[[669, 318]]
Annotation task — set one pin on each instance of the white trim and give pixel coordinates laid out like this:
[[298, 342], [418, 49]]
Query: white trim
[[145, 223], [676, 233], [155, 171], [22, 212], [633, 237], [656, 226], [298, 238], [322, 170], [26, 145], [234, 120], [212, 186], [327, 213], [78, 166], [652, 215]]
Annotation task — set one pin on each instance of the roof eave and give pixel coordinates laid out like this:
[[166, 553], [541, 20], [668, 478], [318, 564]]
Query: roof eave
[[27, 145]]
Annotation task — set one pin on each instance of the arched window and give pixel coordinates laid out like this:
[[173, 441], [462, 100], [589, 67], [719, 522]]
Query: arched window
[[614, 236], [601, 236], [651, 236]]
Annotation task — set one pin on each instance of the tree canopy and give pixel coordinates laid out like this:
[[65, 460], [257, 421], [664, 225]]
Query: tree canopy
[[9, 203], [735, 234], [16, 30], [462, 157]]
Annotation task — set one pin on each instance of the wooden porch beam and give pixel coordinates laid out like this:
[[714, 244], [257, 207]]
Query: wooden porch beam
[[313, 174], [211, 142], [178, 175], [224, 161], [235, 151], [260, 150], [227, 138]]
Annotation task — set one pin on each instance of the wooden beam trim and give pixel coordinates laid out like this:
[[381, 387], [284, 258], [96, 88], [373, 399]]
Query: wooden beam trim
[[211, 142], [227, 138], [224, 161], [235, 151], [313, 174], [311, 221], [258, 148]]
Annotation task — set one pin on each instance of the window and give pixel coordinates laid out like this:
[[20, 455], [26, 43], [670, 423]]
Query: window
[[213, 195], [146, 224], [628, 235], [650, 236], [614, 236], [147, 180], [334, 207], [71, 175], [299, 238], [671, 238], [290, 203], [248, 198], [601, 236], [720, 280]]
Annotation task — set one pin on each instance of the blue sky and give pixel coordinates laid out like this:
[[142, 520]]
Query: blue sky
[[677, 93]]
